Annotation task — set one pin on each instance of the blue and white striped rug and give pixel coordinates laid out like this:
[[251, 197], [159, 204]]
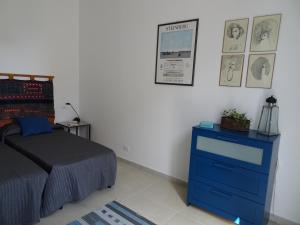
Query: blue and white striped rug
[[112, 213]]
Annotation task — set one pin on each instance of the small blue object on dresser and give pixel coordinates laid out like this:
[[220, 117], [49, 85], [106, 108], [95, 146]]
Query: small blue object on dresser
[[206, 124]]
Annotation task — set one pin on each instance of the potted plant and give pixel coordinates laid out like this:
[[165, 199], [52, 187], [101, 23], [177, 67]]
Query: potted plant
[[232, 119]]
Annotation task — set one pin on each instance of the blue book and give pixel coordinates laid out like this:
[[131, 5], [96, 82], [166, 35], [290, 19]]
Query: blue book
[[206, 124]]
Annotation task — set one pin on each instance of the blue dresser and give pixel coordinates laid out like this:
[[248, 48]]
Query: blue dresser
[[232, 173]]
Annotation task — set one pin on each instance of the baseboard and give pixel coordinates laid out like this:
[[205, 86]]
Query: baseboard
[[170, 178], [276, 220]]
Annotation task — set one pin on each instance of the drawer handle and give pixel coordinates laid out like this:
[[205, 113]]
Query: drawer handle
[[220, 193], [222, 166], [227, 139]]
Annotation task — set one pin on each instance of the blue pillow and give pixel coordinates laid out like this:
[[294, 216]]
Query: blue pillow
[[34, 125]]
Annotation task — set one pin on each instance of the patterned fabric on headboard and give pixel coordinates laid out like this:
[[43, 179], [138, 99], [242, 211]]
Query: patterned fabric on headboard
[[20, 98]]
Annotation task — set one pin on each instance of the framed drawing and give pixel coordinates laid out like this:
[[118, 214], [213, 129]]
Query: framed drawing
[[235, 36], [231, 70], [260, 70], [265, 31], [176, 52]]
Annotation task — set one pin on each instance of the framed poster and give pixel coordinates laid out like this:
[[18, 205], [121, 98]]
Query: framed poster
[[231, 70], [176, 52], [235, 35], [265, 32], [260, 70]]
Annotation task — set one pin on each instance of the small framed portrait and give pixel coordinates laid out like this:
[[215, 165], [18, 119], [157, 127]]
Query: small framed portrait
[[260, 70], [235, 35], [231, 70], [265, 31]]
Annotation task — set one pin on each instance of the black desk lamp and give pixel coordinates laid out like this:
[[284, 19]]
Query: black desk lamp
[[77, 119]]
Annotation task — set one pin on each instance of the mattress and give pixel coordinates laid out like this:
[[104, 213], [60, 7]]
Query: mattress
[[75, 166], [21, 186]]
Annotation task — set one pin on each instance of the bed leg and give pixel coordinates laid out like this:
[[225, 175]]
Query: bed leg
[[61, 207], [109, 187]]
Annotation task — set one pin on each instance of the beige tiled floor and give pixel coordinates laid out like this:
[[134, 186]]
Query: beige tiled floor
[[151, 195]]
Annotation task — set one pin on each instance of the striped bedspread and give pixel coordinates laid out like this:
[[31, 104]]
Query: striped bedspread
[[112, 213]]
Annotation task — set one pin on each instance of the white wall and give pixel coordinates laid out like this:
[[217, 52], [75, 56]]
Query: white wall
[[118, 95], [41, 37]]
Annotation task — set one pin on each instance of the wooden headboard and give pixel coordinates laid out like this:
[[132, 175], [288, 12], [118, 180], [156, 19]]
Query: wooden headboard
[[25, 97]]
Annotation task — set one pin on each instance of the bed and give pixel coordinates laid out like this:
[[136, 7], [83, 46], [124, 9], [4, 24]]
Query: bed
[[75, 166], [21, 186]]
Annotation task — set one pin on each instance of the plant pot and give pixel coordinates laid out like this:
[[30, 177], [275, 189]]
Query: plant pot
[[232, 124]]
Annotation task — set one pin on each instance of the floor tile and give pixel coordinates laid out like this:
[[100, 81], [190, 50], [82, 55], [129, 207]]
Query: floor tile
[[200, 216], [167, 193], [180, 220]]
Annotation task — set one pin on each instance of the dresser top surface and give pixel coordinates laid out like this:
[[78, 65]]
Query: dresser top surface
[[252, 134]]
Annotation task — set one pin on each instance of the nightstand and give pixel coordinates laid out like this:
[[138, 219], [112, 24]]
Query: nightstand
[[73, 124]]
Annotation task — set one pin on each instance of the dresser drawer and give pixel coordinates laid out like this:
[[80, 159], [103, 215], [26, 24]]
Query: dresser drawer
[[242, 152], [225, 203], [242, 181]]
